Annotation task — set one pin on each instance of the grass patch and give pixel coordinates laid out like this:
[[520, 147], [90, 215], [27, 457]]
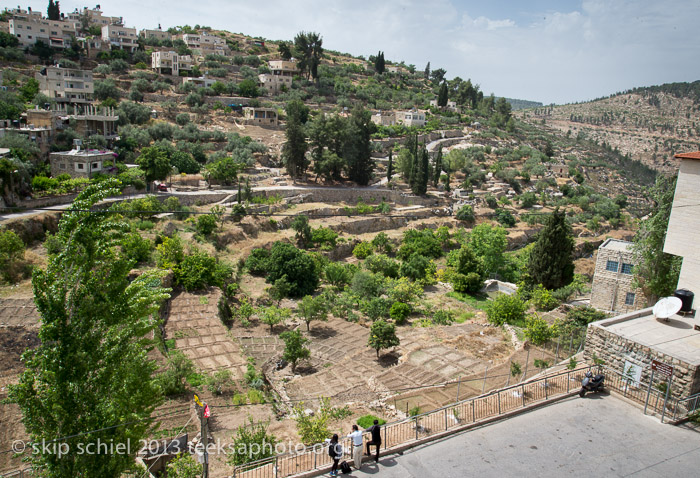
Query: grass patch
[[477, 301], [464, 316], [203, 300], [196, 379], [367, 421], [170, 344]]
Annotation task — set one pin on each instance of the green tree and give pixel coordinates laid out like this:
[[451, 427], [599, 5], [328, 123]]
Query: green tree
[[538, 331], [438, 167], [489, 243], [656, 272], [308, 49], [11, 254], [53, 12], [382, 335], [225, 170], [551, 259], [248, 88], [426, 72], [155, 163], [466, 214], [390, 167], [356, 149], [442, 95], [294, 149], [301, 227], [313, 429], [506, 309], [379, 63], [91, 369], [301, 272], [294, 349], [273, 315], [251, 443], [184, 466], [312, 308]]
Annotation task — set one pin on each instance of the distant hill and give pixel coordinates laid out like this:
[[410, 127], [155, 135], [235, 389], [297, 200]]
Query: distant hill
[[649, 124], [522, 104]]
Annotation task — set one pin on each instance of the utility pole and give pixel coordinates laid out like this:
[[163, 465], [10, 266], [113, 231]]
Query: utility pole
[[205, 439]]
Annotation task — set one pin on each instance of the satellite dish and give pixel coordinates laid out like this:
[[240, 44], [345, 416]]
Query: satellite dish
[[666, 307]]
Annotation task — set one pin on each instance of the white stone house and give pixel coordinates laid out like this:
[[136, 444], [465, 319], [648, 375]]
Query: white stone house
[[612, 289]]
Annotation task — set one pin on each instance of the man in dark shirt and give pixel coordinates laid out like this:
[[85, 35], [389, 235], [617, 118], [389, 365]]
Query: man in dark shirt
[[376, 440]]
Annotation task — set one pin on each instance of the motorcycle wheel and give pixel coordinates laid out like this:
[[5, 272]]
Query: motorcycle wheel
[[582, 393]]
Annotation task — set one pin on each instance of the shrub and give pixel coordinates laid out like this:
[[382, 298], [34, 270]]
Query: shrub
[[362, 250], [469, 283], [11, 255], [376, 308], [169, 253], [422, 242], [178, 367], [399, 312], [337, 274], [257, 262], [443, 317], [206, 224], [136, 247], [505, 217], [182, 119], [382, 264], [251, 443], [301, 272], [507, 309], [542, 298], [466, 214], [583, 316], [199, 270], [366, 284], [415, 268], [367, 421], [324, 236], [538, 331]]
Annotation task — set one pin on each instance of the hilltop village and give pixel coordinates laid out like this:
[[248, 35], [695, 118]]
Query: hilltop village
[[301, 238]]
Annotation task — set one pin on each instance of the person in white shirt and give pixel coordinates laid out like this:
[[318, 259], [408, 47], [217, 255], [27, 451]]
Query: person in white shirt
[[356, 436]]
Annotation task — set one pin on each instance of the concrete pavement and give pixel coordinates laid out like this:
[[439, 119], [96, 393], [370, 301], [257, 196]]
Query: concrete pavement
[[596, 436]]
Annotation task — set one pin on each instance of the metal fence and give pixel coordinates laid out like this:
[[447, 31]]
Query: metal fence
[[27, 472], [426, 425], [653, 399]]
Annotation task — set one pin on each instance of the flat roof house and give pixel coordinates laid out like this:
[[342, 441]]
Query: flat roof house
[[411, 118], [120, 37], [30, 29], [79, 163], [281, 74], [260, 116], [66, 85], [170, 63], [157, 34]]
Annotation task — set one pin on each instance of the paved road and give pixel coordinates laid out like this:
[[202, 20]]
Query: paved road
[[597, 436]]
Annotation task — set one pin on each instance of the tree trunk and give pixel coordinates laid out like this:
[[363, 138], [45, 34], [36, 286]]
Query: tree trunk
[[377, 353]]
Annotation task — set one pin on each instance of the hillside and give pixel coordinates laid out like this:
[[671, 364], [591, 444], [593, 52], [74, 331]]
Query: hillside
[[650, 124]]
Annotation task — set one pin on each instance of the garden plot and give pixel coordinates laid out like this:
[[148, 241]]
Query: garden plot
[[198, 332]]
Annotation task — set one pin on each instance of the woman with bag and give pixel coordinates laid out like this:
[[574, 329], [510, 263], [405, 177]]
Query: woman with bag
[[335, 451]]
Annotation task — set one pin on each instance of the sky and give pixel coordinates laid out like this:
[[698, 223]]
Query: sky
[[551, 51]]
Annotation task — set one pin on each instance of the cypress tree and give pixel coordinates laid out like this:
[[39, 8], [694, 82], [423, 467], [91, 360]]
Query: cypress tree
[[390, 167], [551, 260], [442, 95], [438, 167], [294, 149]]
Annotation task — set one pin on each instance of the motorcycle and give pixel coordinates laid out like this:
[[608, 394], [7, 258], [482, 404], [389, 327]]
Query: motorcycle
[[591, 383]]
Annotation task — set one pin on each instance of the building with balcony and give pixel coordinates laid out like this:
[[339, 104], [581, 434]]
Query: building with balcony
[[201, 82], [120, 37], [157, 34], [281, 74], [91, 120], [80, 163], [260, 116], [30, 29], [94, 16], [170, 63], [66, 85], [384, 118], [203, 44]]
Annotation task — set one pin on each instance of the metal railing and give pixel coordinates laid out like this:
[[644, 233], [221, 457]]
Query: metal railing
[[653, 399], [426, 425], [24, 473]]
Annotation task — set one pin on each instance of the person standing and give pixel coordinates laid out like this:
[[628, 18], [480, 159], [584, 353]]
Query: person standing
[[376, 440], [356, 436], [335, 450]]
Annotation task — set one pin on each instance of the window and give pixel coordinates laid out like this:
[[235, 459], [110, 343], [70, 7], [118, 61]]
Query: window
[[629, 298], [627, 268], [62, 166], [80, 165], [95, 165], [611, 266]]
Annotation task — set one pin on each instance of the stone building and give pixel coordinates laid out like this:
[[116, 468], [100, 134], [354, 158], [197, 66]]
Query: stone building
[[260, 116], [628, 343], [90, 120], [612, 281], [170, 63], [66, 85], [80, 163], [120, 38], [157, 34], [281, 74], [29, 27], [411, 118]]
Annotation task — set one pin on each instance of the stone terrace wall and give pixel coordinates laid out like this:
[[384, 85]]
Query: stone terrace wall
[[351, 196], [615, 350]]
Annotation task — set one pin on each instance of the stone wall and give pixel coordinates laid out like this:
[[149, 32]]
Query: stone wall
[[386, 144], [615, 350], [609, 289], [353, 195]]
